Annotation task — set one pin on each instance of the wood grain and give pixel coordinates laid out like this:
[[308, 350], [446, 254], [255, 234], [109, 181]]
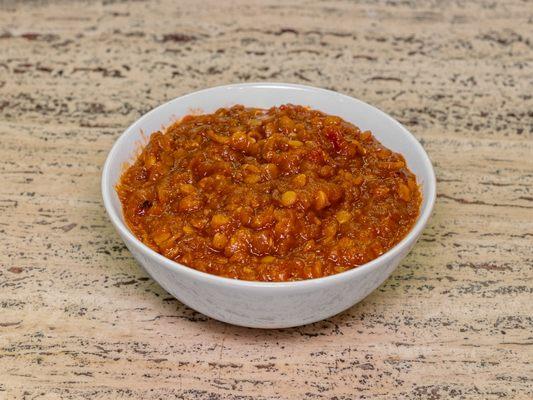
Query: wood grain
[[78, 318]]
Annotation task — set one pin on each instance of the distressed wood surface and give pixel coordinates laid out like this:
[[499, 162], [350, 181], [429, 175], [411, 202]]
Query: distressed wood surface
[[78, 318]]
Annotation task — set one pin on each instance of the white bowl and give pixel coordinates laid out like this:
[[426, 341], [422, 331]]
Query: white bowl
[[268, 304]]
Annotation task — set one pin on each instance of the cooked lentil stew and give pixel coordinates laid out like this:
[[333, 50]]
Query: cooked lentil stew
[[283, 194]]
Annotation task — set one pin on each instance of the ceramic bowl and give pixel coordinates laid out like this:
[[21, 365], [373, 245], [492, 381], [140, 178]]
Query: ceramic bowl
[[268, 304]]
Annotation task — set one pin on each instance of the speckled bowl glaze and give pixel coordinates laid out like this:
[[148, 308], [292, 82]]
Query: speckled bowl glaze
[[264, 304]]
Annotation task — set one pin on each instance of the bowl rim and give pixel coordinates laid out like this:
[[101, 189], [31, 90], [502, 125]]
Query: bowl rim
[[305, 284]]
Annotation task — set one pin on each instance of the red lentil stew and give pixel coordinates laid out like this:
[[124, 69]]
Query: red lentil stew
[[283, 194]]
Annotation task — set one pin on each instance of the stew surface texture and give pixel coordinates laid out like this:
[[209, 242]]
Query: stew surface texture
[[283, 194]]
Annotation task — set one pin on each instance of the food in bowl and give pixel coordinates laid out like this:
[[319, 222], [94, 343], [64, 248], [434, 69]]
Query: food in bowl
[[263, 304], [281, 194]]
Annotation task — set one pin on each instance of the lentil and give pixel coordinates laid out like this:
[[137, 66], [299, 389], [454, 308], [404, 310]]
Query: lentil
[[283, 194]]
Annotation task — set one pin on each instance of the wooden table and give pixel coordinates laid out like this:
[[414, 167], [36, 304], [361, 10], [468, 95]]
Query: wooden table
[[80, 320]]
